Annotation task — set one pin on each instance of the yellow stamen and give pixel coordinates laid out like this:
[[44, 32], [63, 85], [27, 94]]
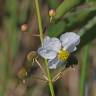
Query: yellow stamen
[[63, 55]]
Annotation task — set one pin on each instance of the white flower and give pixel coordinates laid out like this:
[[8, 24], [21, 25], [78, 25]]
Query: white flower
[[57, 51]]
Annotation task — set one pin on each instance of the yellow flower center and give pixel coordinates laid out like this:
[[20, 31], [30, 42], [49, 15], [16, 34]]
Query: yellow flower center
[[63, 55]]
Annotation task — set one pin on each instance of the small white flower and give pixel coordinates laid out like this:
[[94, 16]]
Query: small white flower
[[57, 51]]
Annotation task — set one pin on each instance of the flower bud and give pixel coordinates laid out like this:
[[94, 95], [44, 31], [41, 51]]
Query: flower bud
[[52, 13], [24, 27]]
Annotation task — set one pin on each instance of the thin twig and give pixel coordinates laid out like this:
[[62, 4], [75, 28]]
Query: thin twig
[[59, 75], [40, 66], [45, 77]]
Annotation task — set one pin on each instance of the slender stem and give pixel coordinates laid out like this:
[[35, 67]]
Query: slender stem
[[40, 67], [59, 75], [41, 38], [49, 79], [84, 70], [39, 20]]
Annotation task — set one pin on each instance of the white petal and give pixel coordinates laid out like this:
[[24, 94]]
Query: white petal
[[47, 54], [71, 49], [53, 44], [70, 40], [46, 40], [54, 63]]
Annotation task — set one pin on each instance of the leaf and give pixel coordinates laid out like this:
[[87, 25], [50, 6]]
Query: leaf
[[74, 19], [24, 11], [54, 4], [65, 6], [88, 32], [55, 30], [84, 69], [88, 37]]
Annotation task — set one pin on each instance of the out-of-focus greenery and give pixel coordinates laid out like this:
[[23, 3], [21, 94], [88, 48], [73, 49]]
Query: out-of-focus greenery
[[84, 72], [10, 42], [71, 15]]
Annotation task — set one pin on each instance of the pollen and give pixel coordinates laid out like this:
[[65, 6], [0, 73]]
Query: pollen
[[63, 55]]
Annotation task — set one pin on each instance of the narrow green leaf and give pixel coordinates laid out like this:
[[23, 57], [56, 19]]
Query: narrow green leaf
[[24, 10], [88, 32], [65, 6], [55, 30], [54, 4], [84, 69], [10, 43], [80, 16], [74, 19]]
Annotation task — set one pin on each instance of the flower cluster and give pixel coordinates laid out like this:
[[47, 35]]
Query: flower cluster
[[57, 50]]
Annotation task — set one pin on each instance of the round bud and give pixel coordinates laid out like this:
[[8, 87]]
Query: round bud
[[52, 12], [24, 27], [22, 73], [31, 55]]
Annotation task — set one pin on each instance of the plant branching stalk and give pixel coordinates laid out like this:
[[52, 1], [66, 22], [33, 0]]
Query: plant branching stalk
[[39, 20], [41, 38], [50, 79]]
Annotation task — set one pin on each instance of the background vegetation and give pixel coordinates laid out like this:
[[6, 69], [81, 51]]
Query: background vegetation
[[18, 25]]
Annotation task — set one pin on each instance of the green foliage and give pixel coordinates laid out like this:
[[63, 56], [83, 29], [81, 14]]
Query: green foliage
[[53, 4], [88, 32], [11, 25], [71, 15], [81, 19], [24, 11], [65, 6], [56, 29], [84, 69], [9, 45]]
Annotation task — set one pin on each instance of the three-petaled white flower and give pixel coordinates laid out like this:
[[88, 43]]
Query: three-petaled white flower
[[57, 50]]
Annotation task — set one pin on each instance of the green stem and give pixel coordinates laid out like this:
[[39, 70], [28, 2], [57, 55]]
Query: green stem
[[84, 70], [50, 79], [39, 20], [41, 38]]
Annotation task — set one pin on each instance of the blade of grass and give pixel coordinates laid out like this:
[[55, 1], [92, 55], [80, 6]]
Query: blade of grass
[[80, 16], [24, 11], [65, 6], [53, 4], [88, 26], [88, 32], [4, 69], [56, 29], [9, 43], [10, 25], [84, 69]]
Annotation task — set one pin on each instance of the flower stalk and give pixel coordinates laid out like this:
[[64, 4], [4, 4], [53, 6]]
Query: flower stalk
[[49, 79], [41, 38], [39, 20]]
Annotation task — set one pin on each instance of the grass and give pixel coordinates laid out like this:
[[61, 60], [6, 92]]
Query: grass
[[10, 44]]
